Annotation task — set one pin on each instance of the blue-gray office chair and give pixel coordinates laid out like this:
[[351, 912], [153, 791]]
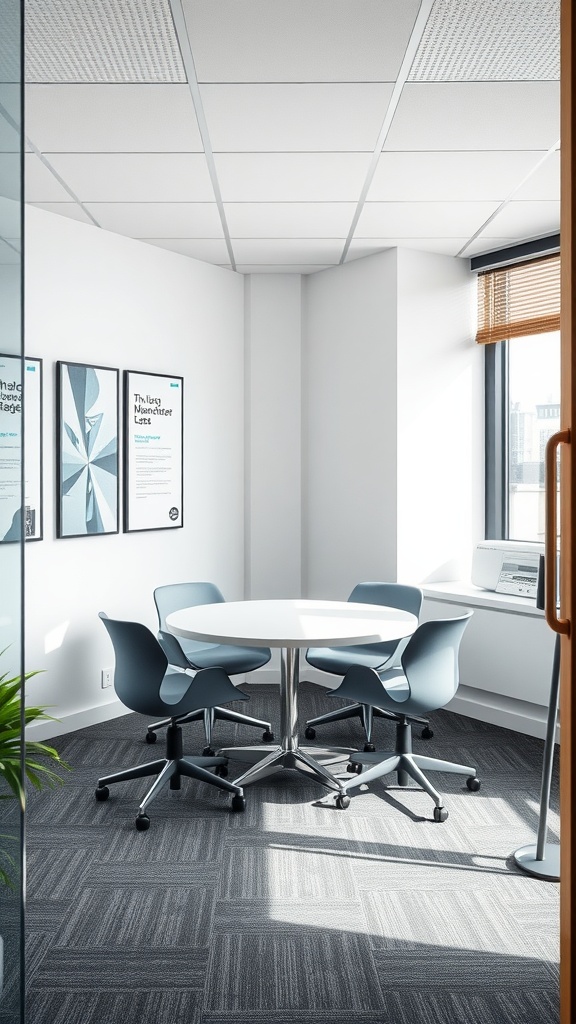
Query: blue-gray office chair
[[427, 680], [143, 683], [196, 655], [337, 660]]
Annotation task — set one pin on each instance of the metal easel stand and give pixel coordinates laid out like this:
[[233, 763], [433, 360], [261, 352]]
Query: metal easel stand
[[542, 859]]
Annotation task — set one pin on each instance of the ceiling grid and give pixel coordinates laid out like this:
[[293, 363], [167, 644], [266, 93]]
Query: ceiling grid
[[275, 136]]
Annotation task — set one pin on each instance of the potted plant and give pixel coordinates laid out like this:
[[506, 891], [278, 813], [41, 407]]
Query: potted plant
[[38, 765]]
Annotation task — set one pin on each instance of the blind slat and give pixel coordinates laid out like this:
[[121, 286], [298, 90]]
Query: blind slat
[[519, 300]]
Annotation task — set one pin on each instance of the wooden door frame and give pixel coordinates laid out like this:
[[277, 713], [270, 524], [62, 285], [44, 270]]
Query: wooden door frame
[[568, 504]]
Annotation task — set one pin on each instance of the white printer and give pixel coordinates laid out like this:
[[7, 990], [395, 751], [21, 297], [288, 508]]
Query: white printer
[[506, 566]]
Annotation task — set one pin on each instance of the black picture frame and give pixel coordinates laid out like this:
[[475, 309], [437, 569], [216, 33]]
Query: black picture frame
[[87, 449], [27, 437], [153, 451]]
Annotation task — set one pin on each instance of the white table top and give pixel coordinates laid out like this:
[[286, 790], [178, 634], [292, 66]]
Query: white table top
[[297, 623]]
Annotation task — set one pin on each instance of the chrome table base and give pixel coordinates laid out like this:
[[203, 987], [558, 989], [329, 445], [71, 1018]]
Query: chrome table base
[[289, 754]]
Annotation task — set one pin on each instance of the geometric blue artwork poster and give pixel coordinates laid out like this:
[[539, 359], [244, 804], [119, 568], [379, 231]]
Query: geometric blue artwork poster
[[87, 421]]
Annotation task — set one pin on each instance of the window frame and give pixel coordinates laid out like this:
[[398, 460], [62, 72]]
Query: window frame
[[496, 401]]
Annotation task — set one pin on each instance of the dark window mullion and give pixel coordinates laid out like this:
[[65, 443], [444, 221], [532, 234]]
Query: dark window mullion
[[496, 426]]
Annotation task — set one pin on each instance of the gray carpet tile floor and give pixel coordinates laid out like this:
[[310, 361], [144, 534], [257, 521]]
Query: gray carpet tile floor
[[293, 910]]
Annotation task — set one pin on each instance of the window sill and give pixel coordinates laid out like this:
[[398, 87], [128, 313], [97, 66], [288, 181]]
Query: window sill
[[464, 592]]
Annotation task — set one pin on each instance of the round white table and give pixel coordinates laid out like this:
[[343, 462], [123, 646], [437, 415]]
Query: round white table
[[290, 625]]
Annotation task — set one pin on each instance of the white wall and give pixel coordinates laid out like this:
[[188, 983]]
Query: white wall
[[349, 396], [92, 296], [440, 418], [273, 329]]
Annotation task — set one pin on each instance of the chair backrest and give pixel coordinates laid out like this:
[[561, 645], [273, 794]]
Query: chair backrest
[[430, 663], [174, 596], [140, 663], [395, 595]]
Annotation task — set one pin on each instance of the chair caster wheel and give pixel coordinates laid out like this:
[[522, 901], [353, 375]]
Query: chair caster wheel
[[310, 733], [102, 793], [208, 752], [151, 737], [238, 803], [440, 814], [222, 771], [342, 801], [354, 768], [369, 748], [473, 784], [268, 736], [426, 733], [142, 822]]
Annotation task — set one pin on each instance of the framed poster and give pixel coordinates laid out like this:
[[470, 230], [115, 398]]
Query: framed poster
[[153, 444], [20, 399], [86, 449]]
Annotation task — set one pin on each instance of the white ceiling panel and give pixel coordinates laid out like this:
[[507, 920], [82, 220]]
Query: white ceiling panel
[[273, 118], [289, 220], [544, 183], [159, 220], [450, 177], [10, 186], [476, 115], [299, 41], [135, 177], [9, 254], [71, 210], [40, 185], [291, 177], [289, 268], [286, 251], [211, 250], [360, 247], [101, 41], [525, 220], [112, 118], [467, 41], [421, 220], [9, 104]]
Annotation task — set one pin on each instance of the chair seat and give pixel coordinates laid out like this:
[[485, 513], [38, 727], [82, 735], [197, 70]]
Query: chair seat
[[233, 660], [339, 659]]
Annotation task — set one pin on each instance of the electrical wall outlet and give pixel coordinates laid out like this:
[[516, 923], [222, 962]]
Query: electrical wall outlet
[[107, 675]]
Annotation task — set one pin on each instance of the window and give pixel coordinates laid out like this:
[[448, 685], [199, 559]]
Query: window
[[522, 394]]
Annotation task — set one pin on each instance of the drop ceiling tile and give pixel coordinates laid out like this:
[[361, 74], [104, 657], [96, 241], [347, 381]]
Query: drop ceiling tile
[[467, 41], [8, 254], [101, 41], [324, 41], [291, 177], [71, 210], [525, 220], [159, 220], [360, 247], [476, 116], [10, 184], [9, 117], [135, 177], [544, 183], [285, 251], [289, 268], [10, 217], [272, 118], [449, 176], [421, 220], [112, 118], [211, 250], [289, 220], [40, 185]]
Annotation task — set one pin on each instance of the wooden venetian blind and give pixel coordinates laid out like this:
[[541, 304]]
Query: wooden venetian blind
[[519, 300]]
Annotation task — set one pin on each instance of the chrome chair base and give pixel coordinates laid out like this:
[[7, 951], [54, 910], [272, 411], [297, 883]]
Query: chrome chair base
[[383, 762]]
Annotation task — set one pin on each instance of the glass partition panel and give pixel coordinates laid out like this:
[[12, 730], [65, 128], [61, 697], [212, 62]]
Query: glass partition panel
[[11, 517]]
